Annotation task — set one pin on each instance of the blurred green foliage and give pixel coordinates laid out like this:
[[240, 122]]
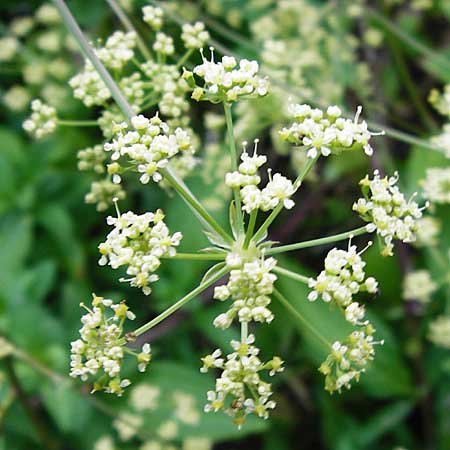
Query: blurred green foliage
[[48, 261]]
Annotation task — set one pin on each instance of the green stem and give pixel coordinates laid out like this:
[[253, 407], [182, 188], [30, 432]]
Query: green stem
[[127, 111], [87, 51], [199, 289], [244, 331], [149, 104], [284, 301], [189, 198], [410, 86], [234, 165], [43, 435], [185, 57], [273, 215], [200, 256], [290, 274], [316, 242], [250, 228], [77, 123], [409, 40], [129, 27]]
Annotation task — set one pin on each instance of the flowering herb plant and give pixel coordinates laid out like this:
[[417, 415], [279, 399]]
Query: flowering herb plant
[[245, 266]]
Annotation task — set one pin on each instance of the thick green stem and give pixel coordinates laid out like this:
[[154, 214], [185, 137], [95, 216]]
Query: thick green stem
[[250, 228], [316, 242], [130, 27], [284, 301], [234, 165], [169, 311], [77, 123], [290, 274], [273, 215], [200, 256]]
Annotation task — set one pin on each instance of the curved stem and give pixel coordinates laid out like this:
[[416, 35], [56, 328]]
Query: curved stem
[[198, 290], [285, 302], [316, 242], [234, 165], [290, 274]]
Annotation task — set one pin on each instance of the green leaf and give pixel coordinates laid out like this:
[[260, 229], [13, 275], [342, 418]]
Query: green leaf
[[171, 378], [67, 407]]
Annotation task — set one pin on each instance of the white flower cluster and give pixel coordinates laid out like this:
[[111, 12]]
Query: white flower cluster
[[194, 36], [249, 287], [324, 133], [138, 241], [428, 229], [343, 278], [167, 83], [226, 81], [9, 45], [132, 88], [103, 193], [163, 44], [387, 210], [419, 285], [348, 359], [154, 16], [240, 380], [436, 185], [439, 331], [42, 121], [101, 345], [278, 190], [92, 158], [149, 146], [17, 98], [443, 140], [118, 49], [89, 87]]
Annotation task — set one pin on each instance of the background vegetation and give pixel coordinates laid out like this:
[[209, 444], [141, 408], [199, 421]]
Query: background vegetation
[[49, 238]]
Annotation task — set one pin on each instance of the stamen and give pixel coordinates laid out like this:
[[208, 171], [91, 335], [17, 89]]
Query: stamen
[[255, 141]]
